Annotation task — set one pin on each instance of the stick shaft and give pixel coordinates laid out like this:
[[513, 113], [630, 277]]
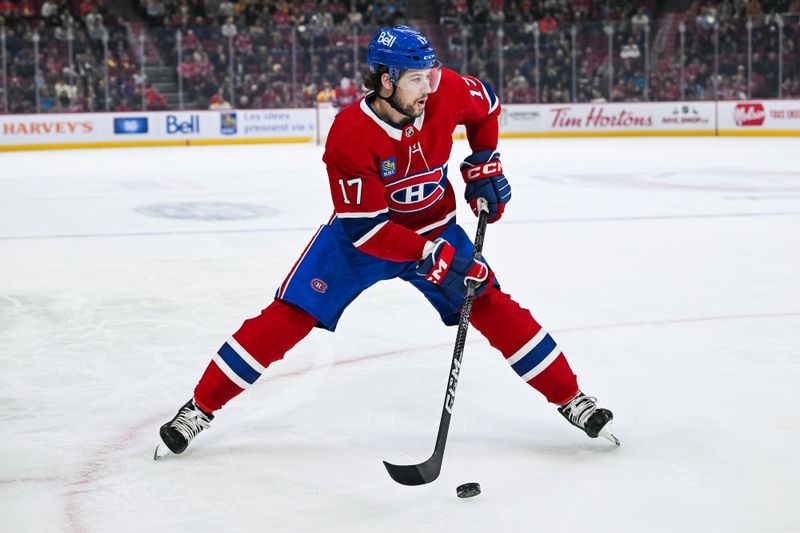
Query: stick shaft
[[428, 471]]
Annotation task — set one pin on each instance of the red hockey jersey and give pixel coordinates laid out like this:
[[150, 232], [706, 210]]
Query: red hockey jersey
[[389, 184]]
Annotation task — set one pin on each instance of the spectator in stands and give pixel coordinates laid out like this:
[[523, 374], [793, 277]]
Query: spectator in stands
[[154, 99], [155, 9], [218, 101], [496, 15], [630, 50], [229, 28], [47, 103], [640, 20], [262, 38], [64, 90], [49, 13], [326, 93], [345, 94], [354, 16], [548, 23], [753, 8], [94, 25], [226, 10]]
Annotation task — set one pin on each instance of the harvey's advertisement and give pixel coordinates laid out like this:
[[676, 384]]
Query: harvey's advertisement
[[157, 128]]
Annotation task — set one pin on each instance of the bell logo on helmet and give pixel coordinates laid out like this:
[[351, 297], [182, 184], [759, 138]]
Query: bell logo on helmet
[[399, 48], [387, 39]]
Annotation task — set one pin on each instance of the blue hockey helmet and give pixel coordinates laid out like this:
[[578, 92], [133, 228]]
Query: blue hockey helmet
[[398, 48]]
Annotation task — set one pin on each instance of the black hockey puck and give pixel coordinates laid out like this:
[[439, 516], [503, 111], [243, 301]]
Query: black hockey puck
[[468, 490]]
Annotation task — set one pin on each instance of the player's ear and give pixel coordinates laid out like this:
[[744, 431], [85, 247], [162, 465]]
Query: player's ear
[[386, 82]]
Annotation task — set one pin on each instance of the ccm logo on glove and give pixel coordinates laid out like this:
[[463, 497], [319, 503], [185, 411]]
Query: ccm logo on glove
[[483, 174], [444, 266], [486, 170]]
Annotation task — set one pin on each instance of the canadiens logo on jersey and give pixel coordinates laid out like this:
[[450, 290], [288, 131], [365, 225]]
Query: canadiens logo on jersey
[[388, 167], [416, 192]]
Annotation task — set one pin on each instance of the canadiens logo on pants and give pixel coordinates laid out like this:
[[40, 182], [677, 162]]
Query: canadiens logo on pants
[[319, 285]]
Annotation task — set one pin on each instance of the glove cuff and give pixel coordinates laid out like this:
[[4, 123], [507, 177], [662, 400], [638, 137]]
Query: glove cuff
[[430, 246]]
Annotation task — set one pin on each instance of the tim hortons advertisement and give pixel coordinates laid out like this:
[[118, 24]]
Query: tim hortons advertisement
[[610, 118], [754, 117]]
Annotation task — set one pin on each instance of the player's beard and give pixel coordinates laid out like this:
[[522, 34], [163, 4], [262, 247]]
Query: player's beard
[[410, 110]]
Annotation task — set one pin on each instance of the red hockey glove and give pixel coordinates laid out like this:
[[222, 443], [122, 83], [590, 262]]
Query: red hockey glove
[[483, 174], [446, 267]]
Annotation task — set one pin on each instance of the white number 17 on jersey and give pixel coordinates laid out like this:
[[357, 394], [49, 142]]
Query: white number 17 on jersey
[[355, 181]]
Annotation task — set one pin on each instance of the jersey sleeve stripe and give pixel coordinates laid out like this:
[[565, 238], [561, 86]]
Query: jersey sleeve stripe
[[371, 214], [371, 233], [490, 96], [357, 229], [431, 227]]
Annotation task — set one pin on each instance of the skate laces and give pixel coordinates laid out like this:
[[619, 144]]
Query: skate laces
[[580, 409], [190, 421]]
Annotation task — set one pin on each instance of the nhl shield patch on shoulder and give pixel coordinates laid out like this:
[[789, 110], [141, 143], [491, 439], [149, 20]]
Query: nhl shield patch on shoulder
[[388, 167]]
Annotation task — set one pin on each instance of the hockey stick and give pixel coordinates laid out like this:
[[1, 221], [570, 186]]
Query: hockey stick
[[428, 471]]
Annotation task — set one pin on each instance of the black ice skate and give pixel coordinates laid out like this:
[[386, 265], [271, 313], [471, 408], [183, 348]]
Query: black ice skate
[[179, 432], [582, 412]]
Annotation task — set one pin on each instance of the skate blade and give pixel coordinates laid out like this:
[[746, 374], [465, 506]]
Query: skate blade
[[606, 433], [161, 451]]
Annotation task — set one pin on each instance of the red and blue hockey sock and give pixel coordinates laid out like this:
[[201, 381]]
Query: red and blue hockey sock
[[528, 348], [260, 341]]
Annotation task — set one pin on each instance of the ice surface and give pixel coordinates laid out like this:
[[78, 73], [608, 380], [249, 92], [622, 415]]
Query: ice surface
[[667, 269]]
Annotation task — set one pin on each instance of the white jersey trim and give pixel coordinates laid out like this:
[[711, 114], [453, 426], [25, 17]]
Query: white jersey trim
[[435, 225], [370, 234], [372, 214], [391, 131], [492, 106]]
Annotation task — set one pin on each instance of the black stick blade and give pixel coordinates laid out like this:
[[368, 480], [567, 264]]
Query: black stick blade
[[413, 475]]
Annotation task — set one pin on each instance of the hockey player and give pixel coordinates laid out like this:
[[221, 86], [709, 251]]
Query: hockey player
[[395, 217]]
